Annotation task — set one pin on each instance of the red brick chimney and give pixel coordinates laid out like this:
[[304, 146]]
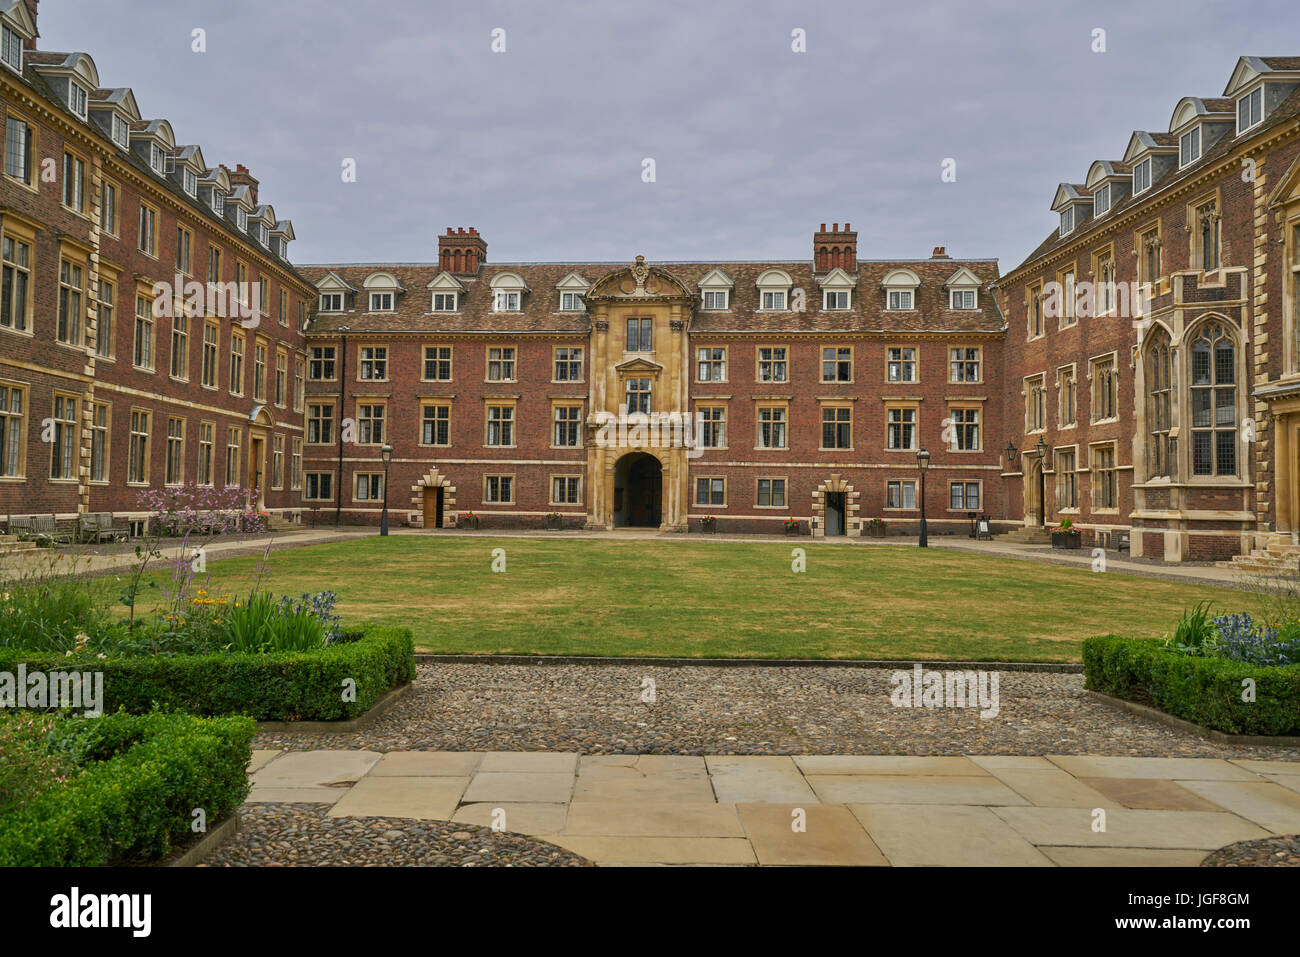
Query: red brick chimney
[[940, 253], [242, 177], [460, 251], [835, 248], [31, 8]]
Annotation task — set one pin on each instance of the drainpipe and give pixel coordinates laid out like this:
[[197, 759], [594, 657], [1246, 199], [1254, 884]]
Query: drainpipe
[[343, 404]]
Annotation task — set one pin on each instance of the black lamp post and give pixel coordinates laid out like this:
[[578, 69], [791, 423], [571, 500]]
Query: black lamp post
[[923, 463], [1012, 452], [1043, 448], [386, 452]]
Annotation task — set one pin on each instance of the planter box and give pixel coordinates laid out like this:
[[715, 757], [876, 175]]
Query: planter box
[[793, 530], [463, 522], [555, 524], [875, 531], [708, 528], [1066, 539]]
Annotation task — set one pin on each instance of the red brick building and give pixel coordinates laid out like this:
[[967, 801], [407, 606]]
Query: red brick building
[[1152, 340], [765, 391], [151, 325]]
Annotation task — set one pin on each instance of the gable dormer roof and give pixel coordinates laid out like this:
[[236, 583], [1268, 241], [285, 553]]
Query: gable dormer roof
[[78, 66], [961, 279], [716, 279], [1143, 142], [1068, 194], [1190, 109], [1102, 170], [1251, 68], [445, 282], [837, 278], [158, 130], [19, 19], [573, 282], [333, 282], [121, 99]]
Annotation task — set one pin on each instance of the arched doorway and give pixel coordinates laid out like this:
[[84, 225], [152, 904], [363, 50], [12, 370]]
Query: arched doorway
[[1033, 493], [638, 490]]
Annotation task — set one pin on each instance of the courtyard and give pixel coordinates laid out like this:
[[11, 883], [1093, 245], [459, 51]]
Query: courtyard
[[693, 598]]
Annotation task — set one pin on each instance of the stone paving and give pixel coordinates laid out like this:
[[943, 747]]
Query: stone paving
[[865, 810]]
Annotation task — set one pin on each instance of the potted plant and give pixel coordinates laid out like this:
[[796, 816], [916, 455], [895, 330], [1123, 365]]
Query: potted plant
[[554, 522], [876, 528], [1066, 536], [708, 524], [467, 520], [791, 526]]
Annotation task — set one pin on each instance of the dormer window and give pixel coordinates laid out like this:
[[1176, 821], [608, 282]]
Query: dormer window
[[961, 298], [900, 299], [11, 49], [263, 235], [835, 299], [1142, 176], [241, 218], [282, 248], [1250, 109], [381, 302], [121, 132], [1067, 221], [444, 301], [1189, 147], [218, 202], [506, 301], [190, 181], [331, 302], [715, 299], [156, 162], [1101, 200], [774, 299], [570, 302], [77, 99]]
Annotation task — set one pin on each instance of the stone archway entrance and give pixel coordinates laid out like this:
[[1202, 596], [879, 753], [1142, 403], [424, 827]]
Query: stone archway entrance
[[1033, 493], [432, 498], [835, 508], [638, 491]]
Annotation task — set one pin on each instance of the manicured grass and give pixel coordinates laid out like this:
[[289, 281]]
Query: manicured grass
[[723, 599]]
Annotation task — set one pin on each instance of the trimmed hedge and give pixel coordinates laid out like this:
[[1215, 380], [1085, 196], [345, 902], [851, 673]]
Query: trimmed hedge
[[1205, 691], [143, 776], [285, 686]]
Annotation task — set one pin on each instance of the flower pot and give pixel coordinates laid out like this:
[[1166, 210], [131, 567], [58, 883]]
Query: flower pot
[[463, 522], [555, 524], [1067, 539], [792, 529], [876, 531], [708, 527]]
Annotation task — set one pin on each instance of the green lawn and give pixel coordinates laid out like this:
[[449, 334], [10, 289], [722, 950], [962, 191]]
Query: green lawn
[[722, 599]]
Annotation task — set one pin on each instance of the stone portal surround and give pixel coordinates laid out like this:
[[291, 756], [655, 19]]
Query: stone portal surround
[[858, 810]]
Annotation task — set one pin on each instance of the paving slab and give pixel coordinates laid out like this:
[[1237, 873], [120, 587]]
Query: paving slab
[[767, 780], [1265, 803], [886, 764], [1289, 781], [1181, 769], [1052, 787], [419, 763], [1122, 857], [306, 795], [1151, 794], [832, 837], [1050, 826], [1267, 767], [305, 769], [659, 850], [652, 819], [537, 762], [532, 819], [1012, 762], [649, 763], [520, 787], [260, 759], [622, 783], [424, 798], [919, 835], [911, 789]]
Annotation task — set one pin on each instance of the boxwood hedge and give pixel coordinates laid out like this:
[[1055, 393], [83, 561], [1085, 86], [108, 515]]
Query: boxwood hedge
[[141, 778], [1206, 691], [282, 686]]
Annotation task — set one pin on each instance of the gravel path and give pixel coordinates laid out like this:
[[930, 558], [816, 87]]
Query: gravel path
[[711, 710], [301, 835], [1268, 852]]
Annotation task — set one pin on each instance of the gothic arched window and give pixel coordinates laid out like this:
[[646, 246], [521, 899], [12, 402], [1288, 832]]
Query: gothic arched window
[[1214, 401], [1160, 391]]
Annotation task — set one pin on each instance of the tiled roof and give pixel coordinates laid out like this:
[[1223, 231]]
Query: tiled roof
[[1286, 110], [540, 307]]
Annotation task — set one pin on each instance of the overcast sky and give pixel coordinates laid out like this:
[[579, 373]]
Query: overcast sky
[[754, 145]]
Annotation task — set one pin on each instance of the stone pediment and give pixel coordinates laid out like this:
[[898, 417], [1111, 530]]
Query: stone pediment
[[639, 366], [640, 281]]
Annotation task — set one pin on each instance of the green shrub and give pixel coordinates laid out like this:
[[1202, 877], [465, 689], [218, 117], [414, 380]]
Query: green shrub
[[1204, 690], [279, 686], [1195, 633], [135, 804], [27, 766]]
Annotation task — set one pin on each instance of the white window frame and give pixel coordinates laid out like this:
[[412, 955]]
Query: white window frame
[[1142, 176], [1192, 136], [953, 295], [1067, 221], [382, 297], [828, 293], [327, 299], [455, 302], [1101, 200], [1257, 96], [241, 218], [906, 300], [575, 303], [506, 300], [218, 202], [121, 132], [726, 300], [10, 40], [78, 99], [776, 302], [156, 162]]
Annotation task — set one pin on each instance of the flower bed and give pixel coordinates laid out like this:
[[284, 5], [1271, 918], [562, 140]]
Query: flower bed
[[1206, 689], [125, 787]]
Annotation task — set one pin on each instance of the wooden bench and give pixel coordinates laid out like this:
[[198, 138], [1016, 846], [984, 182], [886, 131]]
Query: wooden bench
[[21, 528], [98, 527], [47, 531]]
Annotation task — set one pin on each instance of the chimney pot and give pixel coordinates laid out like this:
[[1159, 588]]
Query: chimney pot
[[846, 228], [449, 231], [938, 251], [823, 229], [473, 231], [837, 227]]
